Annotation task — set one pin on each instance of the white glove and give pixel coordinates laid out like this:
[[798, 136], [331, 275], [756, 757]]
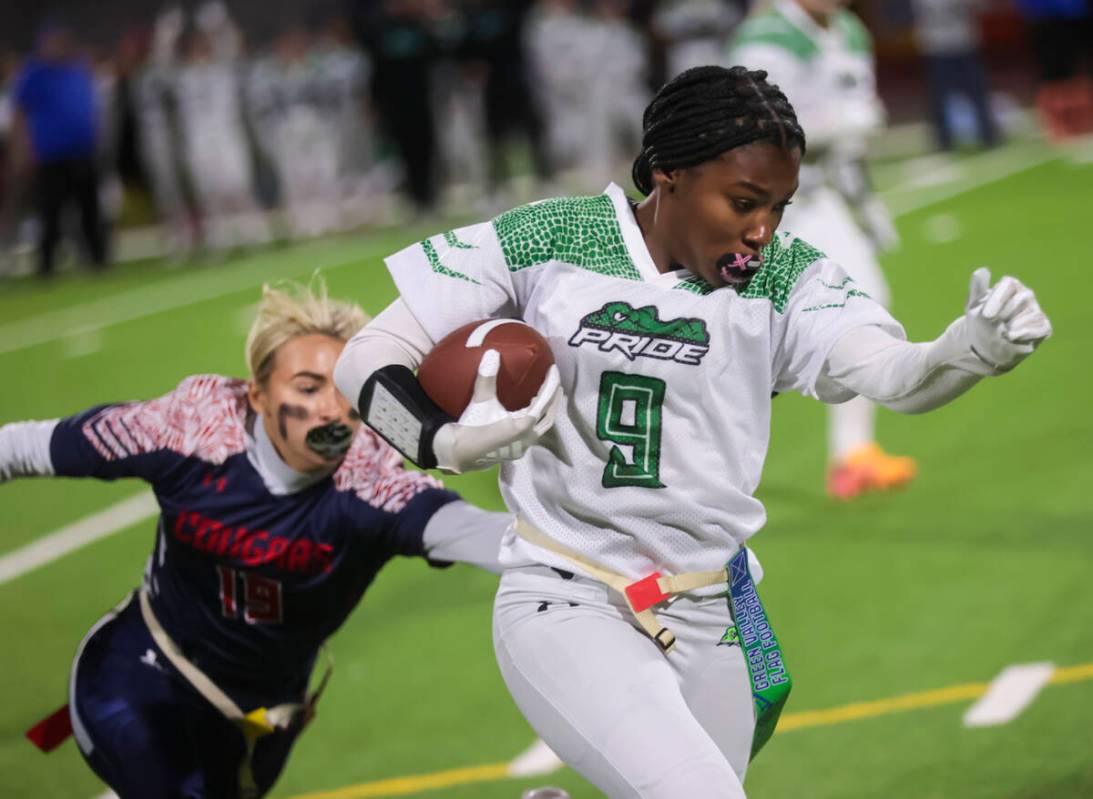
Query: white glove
[[1001, 326], [487, 433]]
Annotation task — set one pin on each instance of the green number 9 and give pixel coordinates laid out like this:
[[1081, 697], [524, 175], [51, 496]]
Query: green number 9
[[629, 416]]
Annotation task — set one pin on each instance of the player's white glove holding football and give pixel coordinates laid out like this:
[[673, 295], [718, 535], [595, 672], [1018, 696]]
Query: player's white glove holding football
[[1001, 326], [486, 433]]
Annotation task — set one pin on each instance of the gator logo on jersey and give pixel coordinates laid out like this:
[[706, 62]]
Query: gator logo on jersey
[[640, 332], [731, 637]]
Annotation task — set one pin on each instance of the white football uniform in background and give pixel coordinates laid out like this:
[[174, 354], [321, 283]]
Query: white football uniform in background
[[458, 99], [153, 101], [651, 466], [693, 31], [153, 97], [562, 61], [215, 146], [287, 103], [617, 92], [111, 191], [828, 76], [590, 74], [344, 77]]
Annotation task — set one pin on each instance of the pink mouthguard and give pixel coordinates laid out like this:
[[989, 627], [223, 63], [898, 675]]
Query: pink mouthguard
[[739, 265]]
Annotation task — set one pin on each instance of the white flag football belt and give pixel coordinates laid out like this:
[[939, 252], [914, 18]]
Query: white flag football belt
[[640, 595]]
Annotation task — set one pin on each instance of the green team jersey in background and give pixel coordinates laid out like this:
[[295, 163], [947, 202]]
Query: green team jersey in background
[[827, 74]]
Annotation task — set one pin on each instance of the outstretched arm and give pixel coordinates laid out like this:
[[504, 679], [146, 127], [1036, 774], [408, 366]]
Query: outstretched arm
[[133, 439], [1001, 326], [461, 532]]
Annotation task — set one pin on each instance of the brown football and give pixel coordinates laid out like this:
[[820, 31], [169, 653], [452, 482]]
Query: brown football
[[449, 370]]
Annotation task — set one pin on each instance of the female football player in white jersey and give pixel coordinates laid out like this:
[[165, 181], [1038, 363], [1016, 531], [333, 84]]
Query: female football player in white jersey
[[277, 510], [627, 625], [820, 54]]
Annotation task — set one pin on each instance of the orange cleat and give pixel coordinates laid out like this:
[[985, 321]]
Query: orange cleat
[[869, 468]]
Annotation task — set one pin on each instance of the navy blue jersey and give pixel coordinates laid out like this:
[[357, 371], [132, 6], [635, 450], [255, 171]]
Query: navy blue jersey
[[248, 583]]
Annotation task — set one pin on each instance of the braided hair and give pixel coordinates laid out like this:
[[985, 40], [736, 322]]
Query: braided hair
[[705, 111]]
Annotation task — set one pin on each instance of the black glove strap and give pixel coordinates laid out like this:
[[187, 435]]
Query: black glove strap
[[393, 404]]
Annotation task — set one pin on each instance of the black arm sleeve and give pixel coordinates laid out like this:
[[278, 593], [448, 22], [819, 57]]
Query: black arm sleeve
[[393, 404]]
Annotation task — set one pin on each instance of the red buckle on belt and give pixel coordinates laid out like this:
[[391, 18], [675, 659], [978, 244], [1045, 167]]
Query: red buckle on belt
[[645, 593]]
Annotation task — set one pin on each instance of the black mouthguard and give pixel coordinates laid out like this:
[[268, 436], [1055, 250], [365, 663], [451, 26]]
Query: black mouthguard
[[330, 441]]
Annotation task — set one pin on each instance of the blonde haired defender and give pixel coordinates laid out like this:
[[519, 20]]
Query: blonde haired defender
[[289, 310], [276, 514]]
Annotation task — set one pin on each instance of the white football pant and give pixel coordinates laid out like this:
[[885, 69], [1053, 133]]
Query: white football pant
[[634, 721]]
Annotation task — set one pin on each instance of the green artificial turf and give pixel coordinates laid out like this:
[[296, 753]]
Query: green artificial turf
[[983, 562]]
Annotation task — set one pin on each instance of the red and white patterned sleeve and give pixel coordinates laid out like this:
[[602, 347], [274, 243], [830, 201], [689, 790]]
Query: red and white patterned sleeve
[[202, 418]]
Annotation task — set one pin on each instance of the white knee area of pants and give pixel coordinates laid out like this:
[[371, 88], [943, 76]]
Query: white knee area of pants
[[850, 424], [606, 700]]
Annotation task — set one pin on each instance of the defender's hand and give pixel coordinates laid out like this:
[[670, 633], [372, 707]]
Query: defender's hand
[[487, 433]]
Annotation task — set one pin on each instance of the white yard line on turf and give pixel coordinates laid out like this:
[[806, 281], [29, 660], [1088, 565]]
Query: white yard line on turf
[[855, 711], [941, 228], [79, 534], [977, 171], [82, 344], [166, 295], [1009, 694], [536, 760]]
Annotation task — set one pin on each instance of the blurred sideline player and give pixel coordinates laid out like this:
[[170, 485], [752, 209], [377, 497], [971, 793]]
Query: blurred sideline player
[[590, 78], [820, 55], [56, 135], [208, 90], [559, 61], [618, 91], [627, 603], [155, 103], [345, 73], [693, 32], [277, 512], [285, 96]]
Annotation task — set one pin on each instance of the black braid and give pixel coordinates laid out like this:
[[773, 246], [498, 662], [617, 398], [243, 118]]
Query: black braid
[[705, 111]]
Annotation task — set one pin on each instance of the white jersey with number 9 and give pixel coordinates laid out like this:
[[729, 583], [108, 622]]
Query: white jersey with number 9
[[653, 462]]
